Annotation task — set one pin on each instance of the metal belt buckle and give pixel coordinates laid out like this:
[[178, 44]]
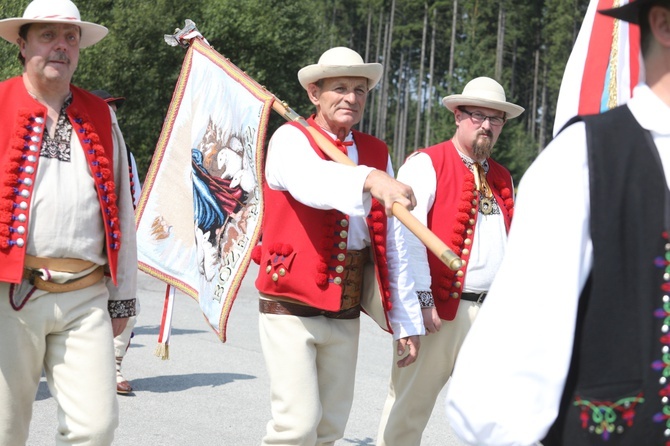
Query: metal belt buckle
[[481, 297], [34, 273]]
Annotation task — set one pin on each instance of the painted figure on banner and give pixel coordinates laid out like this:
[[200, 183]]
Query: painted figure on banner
[[204, 254]]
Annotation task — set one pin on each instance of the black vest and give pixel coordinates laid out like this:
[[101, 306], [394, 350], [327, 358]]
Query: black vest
[[614, 394]]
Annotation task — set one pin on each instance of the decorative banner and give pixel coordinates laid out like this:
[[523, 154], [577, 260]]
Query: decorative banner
[[201, 207], [603, 68]]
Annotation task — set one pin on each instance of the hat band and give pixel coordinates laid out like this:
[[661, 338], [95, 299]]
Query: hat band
[[56, 17]]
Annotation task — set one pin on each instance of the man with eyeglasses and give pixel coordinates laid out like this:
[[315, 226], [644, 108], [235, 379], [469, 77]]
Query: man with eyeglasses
[[572, 347], [466, 199]]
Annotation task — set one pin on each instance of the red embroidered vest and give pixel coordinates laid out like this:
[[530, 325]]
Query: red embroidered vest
[[453, 218], [24, 121], [302, 255]]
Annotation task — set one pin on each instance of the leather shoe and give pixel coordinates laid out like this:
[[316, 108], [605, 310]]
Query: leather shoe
[[123, 388]]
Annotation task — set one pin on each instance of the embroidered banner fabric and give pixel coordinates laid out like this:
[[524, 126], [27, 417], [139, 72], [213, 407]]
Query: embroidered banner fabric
[[604, 65], [201, 207]]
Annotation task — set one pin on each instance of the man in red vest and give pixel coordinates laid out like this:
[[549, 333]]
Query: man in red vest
[[466, 199], [324, 245], [66, 221]]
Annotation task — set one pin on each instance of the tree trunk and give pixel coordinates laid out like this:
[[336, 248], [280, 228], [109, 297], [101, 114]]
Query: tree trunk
[[375, 92], [533, 110], [402, 109], [419, 83], [431, 71], [397, 131], [452, 48], [512, 87], [381, 104], [361, 125], [500, 43], [543, 121], [383, 110]]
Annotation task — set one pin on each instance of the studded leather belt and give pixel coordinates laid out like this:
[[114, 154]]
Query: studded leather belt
[[292, 309], [352, 283]]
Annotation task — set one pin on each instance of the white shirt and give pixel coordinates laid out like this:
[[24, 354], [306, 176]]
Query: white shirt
[[66, 221], [509, 378], [293, 166]]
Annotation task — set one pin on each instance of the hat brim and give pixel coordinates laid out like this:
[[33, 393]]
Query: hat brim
[[313, 73], [91, 33], [630, 12], [117, 101], [456, 100]]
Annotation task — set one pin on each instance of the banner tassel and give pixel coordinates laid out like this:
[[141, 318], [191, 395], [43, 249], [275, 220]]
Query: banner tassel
[[163, 347]]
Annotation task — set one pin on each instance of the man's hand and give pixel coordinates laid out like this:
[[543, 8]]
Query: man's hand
[[388, 190], [118, 325], [431, 320], [410, 344]]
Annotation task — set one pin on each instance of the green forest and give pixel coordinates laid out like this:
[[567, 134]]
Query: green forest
[[428, 48]]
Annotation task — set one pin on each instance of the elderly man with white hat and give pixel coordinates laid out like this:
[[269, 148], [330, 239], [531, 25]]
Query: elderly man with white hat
[[325, 240], [466, 199], [66, 222]]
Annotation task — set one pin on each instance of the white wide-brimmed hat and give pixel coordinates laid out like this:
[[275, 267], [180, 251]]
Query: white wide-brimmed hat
[[52, 11], [340, 62], [483, 92]]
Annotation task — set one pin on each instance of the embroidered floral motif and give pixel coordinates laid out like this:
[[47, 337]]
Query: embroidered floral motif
[[59, 146], [425, 299], [605, 417], [663, 365], [121, 308]]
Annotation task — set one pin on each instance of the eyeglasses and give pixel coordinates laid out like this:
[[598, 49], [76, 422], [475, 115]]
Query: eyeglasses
[[479, 118]]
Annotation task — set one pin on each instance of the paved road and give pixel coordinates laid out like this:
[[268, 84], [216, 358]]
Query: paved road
[[209, 393]]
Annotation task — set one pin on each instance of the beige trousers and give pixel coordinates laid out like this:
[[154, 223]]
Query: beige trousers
[[414, 389], [311, 362], [69, 335]]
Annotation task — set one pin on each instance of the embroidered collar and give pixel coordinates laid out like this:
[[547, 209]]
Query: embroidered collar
[[469, 162], [59, 145]]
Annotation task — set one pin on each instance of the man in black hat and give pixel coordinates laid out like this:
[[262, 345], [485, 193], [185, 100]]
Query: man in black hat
[[122, 341], [573, 344]]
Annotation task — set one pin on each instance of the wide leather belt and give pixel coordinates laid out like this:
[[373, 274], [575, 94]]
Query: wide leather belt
[[352, 283], [292, 309], [474, 297], [63, 265], [352, 286], [32, 273]]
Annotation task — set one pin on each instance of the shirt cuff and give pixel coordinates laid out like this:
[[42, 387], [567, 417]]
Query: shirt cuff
[[426, 299]]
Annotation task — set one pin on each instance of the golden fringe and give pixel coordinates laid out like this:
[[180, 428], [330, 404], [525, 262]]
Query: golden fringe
[[162, 351]]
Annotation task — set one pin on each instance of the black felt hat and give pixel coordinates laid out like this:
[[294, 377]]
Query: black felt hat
[[629, 12], [118, 101]]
